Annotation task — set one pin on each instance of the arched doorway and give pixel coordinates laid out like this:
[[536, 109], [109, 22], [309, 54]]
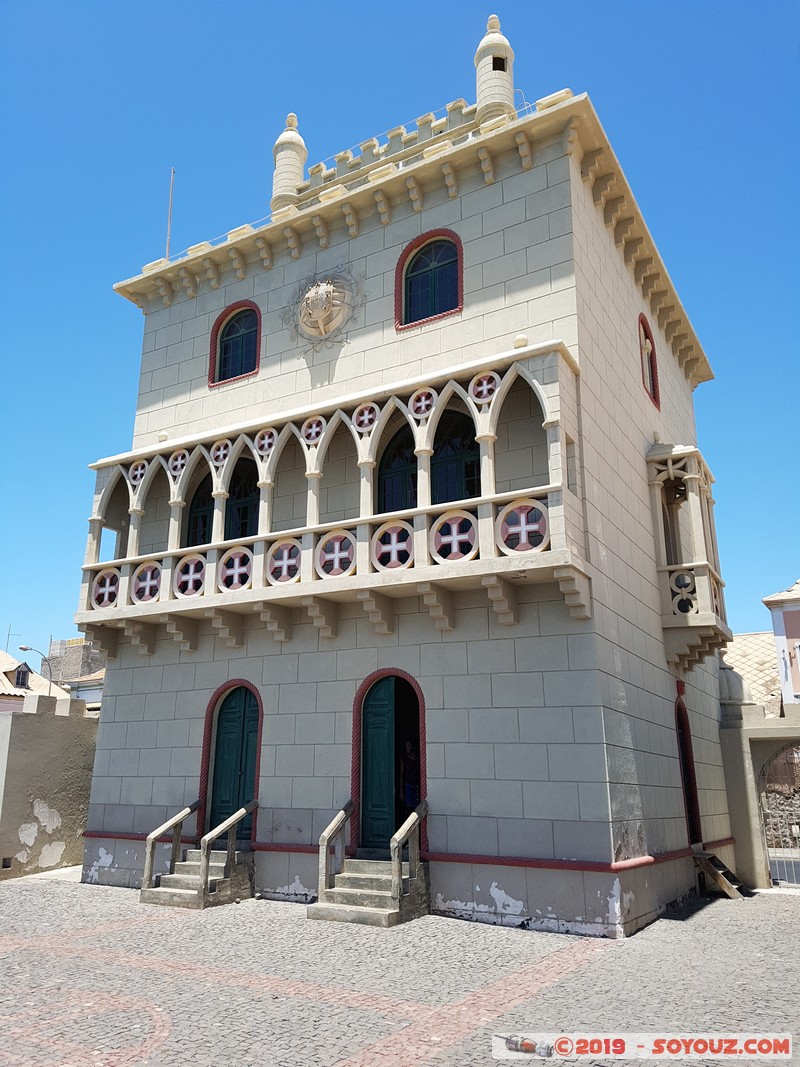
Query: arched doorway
[[233, 781], [391, 764], [688, 777], [779, 793]]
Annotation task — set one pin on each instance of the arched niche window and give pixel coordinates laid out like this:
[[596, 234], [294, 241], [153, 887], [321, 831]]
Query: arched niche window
[[647, 352], [397, 473], [235, 343], [201, 515], [241, 508], [429, 280], [455, 464]]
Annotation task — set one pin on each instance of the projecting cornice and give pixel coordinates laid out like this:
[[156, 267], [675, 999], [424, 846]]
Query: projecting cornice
[[408, 166]]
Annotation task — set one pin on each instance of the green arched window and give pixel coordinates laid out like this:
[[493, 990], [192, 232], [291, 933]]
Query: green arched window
[[455, 464], [241, 508], [201, 515], [237, 352], [397, 473], [430, 285]]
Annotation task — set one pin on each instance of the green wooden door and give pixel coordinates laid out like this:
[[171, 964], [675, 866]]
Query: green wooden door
[[234, 781], [377, 766]]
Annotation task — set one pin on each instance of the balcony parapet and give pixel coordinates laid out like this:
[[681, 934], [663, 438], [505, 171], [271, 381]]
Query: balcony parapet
[[495, 543], [693, 612]]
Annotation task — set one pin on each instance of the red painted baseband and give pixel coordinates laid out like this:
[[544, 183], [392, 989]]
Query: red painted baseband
[[558, 865], [723, 842], [113, 835]]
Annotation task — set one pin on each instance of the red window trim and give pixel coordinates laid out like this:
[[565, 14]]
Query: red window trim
[[655, 396], [220, 321], [399, 278]]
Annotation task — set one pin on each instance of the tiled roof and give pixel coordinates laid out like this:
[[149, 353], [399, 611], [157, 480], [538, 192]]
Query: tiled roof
[[754, 657], [36, 683], [792, 593]]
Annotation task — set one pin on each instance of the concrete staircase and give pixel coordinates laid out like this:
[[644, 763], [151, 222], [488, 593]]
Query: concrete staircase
[[362, 893], [182, 888]]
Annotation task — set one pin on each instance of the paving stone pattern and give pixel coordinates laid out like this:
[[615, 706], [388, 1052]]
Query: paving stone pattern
[[90, 976]]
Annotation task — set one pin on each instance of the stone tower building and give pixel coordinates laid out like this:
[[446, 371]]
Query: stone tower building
[[414, 517]]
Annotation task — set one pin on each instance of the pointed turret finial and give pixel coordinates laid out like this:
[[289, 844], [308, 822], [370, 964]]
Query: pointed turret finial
[[290, 156], [494, 74]]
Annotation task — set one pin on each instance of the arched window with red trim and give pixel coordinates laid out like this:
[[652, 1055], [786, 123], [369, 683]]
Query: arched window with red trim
[[235, 343], [647, 353], [429, 280]]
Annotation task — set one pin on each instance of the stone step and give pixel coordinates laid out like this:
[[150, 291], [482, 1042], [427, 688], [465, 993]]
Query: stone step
[[179, 881], [371, 867], [351, 913], [216, 855], [381, 882], [173, 898], [215, 870], [365, 898]]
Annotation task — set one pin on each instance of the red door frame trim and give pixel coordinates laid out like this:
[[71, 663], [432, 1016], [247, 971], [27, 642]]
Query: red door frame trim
[[355, 771], [208, 732]]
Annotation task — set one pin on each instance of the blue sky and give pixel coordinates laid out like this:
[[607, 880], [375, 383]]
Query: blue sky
[[98, 100]]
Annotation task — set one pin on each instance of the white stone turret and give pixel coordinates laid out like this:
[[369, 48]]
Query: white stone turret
[[494, 74], [290, 156]]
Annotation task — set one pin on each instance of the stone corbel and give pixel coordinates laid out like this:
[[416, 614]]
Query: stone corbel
[[642, 268], [649, 282], [212, 272], [487, 165], [590, 164], [622, 229], [613, 209], [265, 251], [439, 603], [278, 621], [229, 627], [321, 230], [239, 264], [601, 188], [293, 239], [569, 138], [189, 282], [671, 329], [415, 193], [323, 613], [103, 636], [351, 219], [450, 179], [524, 149], [183, 630], [632, 249], [142, 635], [678, 341], [657, 299], [165, 289], [502, 597], [576, 589], [378, 609], [384, 210], [665, 314]]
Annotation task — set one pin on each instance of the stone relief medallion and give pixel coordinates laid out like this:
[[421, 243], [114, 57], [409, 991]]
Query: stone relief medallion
[[323, 305]]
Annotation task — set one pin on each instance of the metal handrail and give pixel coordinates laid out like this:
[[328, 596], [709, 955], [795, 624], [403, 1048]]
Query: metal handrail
[[408, 832], [208, 839], [176, 825], [333, 833]]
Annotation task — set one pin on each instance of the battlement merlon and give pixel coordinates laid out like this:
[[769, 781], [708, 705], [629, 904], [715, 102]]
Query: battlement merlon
[[374, 186]]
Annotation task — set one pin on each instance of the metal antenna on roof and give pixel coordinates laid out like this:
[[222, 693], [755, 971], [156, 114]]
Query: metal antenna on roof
[[169, 213], [9, 635]]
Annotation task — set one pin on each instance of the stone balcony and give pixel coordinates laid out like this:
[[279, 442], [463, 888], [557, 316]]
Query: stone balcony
[[693, 613], [495, 544]]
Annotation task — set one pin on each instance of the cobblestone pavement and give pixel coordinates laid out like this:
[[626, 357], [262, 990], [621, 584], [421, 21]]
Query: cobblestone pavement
[[90, 976]]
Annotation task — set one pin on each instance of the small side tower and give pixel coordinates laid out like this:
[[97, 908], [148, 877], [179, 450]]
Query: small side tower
[[494, 74], [290, 154]]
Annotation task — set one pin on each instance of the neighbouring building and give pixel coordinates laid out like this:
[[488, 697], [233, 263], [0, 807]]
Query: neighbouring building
[[415, 511], [760, 694], [47, 745]]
